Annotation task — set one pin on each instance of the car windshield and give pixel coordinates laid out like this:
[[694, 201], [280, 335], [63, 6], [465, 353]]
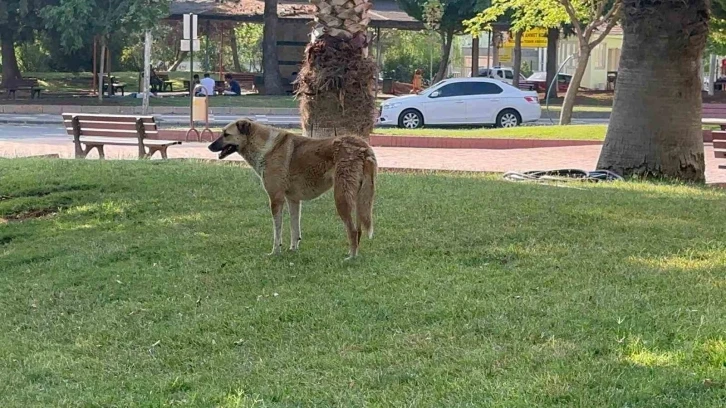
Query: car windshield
[[538, 76]]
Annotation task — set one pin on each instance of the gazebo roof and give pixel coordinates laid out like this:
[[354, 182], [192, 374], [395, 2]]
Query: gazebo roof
[[384, 14]]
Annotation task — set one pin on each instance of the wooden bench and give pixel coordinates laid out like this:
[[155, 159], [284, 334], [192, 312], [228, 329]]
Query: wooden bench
[[719, 146], [91, 131], [115, 86], [246, 81], [26, 84]]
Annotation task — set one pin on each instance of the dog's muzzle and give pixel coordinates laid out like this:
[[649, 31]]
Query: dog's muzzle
[[223, 149]]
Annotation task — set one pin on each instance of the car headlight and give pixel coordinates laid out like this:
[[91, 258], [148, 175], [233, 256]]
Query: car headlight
[[391, 105]]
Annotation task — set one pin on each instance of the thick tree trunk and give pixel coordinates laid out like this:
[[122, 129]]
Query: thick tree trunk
[[446, 40], [10, 62], [569, 103], [655, 126], [553, 36], [517, 58], [270, 65], [235, 50]]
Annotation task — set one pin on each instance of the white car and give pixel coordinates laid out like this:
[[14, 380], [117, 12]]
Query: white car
[[462, 101]]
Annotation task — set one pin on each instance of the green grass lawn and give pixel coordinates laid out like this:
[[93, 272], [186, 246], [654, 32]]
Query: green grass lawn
[[146, 284]]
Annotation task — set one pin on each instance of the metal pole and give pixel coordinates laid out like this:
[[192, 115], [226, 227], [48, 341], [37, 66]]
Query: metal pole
[[489, 50], [554, 81], [147, 72], [713, 66], [95, 51], [191, 81], [378, 56]]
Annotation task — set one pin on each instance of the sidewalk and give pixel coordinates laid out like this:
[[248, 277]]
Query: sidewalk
[[480, 160]]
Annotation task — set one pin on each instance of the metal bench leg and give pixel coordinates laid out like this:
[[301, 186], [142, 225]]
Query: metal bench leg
[[163, 152], [79, 150], [101, 154]]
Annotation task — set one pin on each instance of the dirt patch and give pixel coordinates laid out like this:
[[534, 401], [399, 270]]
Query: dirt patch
[[29, 215]]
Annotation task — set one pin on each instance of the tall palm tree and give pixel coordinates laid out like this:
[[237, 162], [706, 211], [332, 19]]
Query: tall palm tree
[[655, 126], [336, 79]]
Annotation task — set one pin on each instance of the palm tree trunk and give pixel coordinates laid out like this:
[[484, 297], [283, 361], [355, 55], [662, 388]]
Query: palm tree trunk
[[553, 35], [270, 65], [446, 39], [517, 58], [335, 83], [569, 103], [655, 126]]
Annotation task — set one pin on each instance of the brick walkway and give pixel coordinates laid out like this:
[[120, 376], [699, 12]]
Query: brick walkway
[[580, 157]]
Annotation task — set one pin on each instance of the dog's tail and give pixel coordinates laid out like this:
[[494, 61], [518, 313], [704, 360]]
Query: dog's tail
[[366, 194]]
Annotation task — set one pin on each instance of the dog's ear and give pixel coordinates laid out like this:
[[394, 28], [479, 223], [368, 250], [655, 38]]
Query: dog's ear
[[244, 127]]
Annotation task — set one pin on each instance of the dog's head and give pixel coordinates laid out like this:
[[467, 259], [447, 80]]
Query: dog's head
[[235, 137]]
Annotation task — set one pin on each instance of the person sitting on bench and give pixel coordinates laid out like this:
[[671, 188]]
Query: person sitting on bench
[[208, 84], [234, 88], [155, 82]]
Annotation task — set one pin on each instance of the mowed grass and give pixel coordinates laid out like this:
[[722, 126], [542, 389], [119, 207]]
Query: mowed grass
[[146, 284]]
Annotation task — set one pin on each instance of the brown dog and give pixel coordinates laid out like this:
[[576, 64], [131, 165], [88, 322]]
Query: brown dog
[[295, 168]]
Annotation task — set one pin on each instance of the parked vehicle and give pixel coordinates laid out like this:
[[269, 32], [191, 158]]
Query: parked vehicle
[[463, 101], [539, 79], [506, 75]]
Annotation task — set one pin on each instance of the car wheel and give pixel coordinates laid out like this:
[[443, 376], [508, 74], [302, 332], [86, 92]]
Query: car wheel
[[410, 119], [508, 118]]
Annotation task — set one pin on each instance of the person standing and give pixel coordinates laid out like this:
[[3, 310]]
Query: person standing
[[417, 82]]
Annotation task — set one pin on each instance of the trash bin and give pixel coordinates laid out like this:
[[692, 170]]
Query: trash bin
[[200, 107], [387, 86]]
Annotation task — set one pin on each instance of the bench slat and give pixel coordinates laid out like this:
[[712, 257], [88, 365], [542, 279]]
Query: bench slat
[[720, 154], [110, 124], [126, 141], [107, 125], [718, 135], [109, 132], [114, 118]]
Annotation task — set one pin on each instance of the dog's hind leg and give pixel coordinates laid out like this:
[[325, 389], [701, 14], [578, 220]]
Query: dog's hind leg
[[295, 208], [277, 205], [345, 204]]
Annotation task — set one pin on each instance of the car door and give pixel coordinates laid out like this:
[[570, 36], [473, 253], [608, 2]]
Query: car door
[[446, 105], [484, 102]]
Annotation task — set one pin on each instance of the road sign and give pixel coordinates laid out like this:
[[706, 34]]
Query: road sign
[[534, 38], [190, 26], [185, 45]]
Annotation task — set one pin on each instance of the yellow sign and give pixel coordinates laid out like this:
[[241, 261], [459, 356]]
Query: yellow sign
[[534, 38], [505, 54]]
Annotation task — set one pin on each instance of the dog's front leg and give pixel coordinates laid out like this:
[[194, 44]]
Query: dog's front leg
[[295, 236], [277, 204]]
